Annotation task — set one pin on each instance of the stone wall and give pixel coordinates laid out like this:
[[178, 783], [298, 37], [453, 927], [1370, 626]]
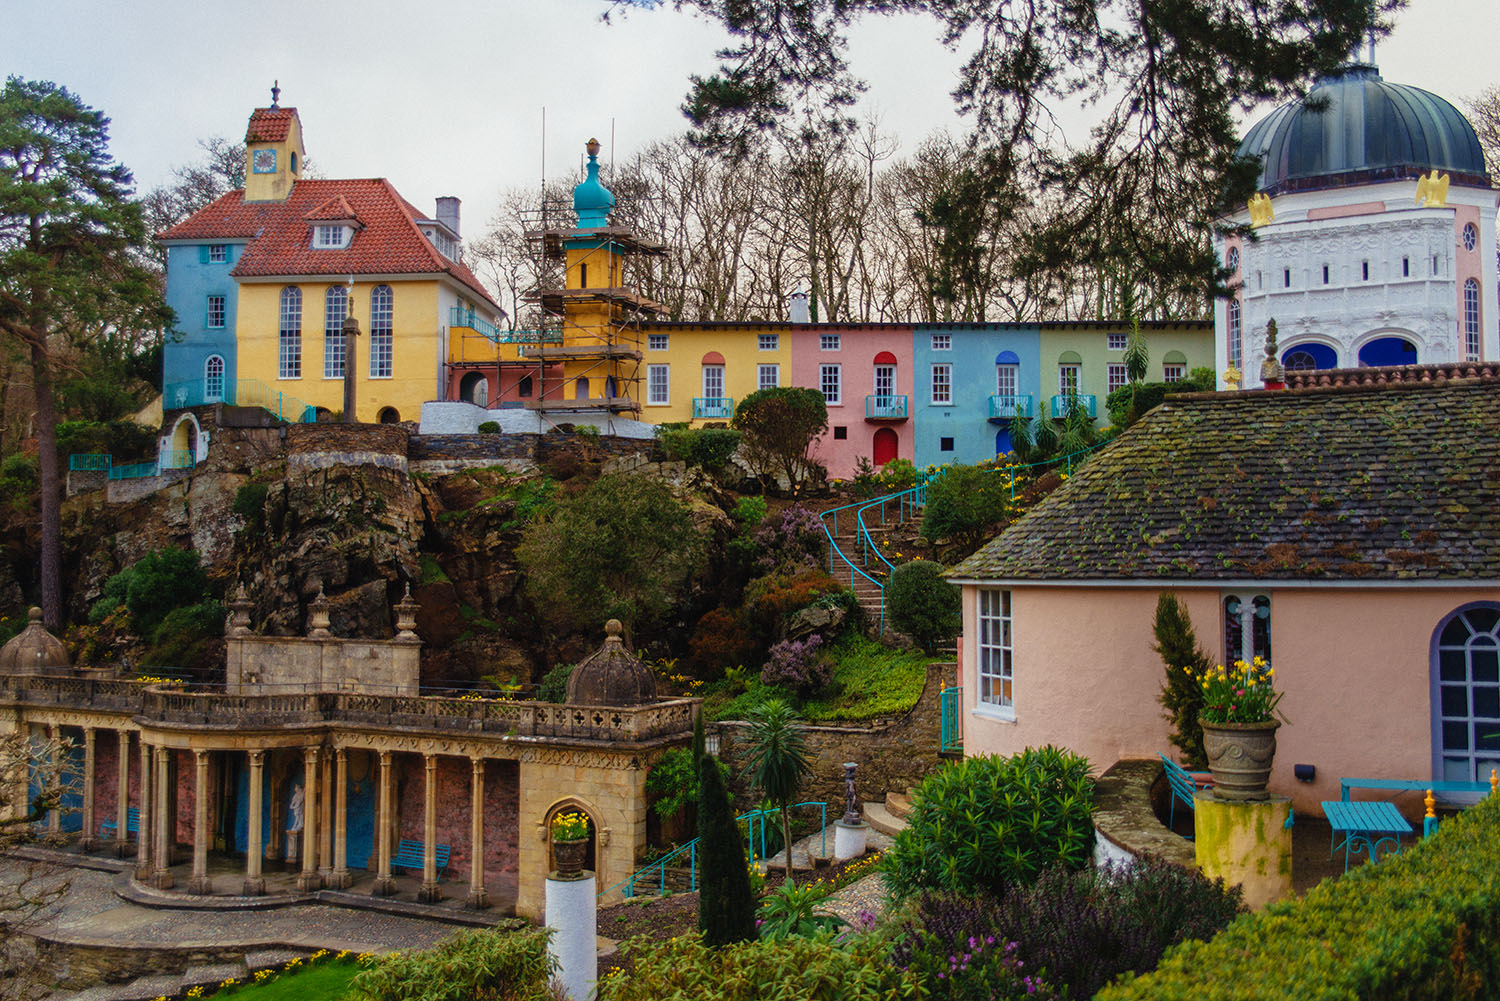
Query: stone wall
[[501, 805], [72, 967], [287, 664], [891, 754]]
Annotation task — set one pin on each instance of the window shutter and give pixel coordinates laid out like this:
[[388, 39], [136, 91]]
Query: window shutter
[[203, 253]]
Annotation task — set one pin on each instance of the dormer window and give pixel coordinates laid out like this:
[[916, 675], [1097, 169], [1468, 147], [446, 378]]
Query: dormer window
[[445, 244], [331, 237]]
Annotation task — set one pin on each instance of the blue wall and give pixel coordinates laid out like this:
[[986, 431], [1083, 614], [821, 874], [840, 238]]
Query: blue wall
[[966, 420], [359, 816], [190, 281]]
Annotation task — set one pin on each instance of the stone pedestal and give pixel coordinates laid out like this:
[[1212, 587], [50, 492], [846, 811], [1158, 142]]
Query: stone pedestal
[[1247, 843], [849, 839], [573, 916]]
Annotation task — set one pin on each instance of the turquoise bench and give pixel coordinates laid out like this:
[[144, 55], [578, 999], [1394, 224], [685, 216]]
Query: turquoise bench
[[132, 824], [1410, 785], [1184, 785], [412, 855]]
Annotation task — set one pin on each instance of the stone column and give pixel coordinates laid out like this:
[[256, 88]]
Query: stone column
[[309, 880], [325, 823], [54, 815], [200, 883], [161, 870], [86, 837], [146, 806], [255, 884], [340, 876], [478, 898], [429, 893], [384, 884], [122, 793]]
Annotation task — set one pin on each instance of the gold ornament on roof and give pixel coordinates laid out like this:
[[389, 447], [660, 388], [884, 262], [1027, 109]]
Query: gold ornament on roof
[[1432, 190], [1260, 209]]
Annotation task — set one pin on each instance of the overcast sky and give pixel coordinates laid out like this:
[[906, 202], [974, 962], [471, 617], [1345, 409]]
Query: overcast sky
[[446, 98]]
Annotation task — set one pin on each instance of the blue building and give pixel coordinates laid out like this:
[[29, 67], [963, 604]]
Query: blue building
[[205, 298]]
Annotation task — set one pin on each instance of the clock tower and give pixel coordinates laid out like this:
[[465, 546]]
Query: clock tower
[[273, 152]]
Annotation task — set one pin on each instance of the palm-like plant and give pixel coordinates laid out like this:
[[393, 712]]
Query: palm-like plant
[[778, 761]]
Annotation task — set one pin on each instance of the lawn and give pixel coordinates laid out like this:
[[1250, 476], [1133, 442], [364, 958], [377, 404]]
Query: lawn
[[320, 983], [870, 680]]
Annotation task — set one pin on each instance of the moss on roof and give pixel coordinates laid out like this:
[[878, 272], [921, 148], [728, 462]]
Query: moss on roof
[[1347, 483]]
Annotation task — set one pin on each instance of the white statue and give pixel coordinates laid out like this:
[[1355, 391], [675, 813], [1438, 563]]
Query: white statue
[[295, 811]]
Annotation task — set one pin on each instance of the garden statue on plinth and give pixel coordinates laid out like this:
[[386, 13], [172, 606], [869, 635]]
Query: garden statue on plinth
[[850, 832], [294, 824]]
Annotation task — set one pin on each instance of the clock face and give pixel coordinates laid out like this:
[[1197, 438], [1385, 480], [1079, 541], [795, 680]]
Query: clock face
[[264, 161]]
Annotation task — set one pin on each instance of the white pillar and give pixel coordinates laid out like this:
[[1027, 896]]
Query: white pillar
[[573, 916], [385, 885]]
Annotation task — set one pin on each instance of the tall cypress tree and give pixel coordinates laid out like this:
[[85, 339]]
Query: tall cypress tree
[[1181, 696], [726, 907]]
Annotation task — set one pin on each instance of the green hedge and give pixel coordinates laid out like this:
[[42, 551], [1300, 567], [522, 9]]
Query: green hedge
[[1420, 926]]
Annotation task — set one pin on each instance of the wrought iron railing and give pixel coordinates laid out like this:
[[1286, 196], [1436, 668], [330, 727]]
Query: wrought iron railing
[[92, 462], [952, 701], [134, 471], [1065, 403], [1010, 406], [176, 458], [458, 316]]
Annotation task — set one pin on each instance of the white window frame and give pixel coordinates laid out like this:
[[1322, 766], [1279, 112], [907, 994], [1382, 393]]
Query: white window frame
[[330, 237], [1172, 372], [382, 332], [1234, 349], [1116, 341], [830, 342], [767, 376], [658, 385], [1471, 320], [887, 375], [768, 342], [218, 253], [942, 342], [211, 378], [1008, 380], [1470, 237], [289, 337], [1249, 601], [994, 668], [1115, 377], [1069, 386], [656, 342], [942, 384], [335, 308], [714, 374], [222, 312], [831, 382]]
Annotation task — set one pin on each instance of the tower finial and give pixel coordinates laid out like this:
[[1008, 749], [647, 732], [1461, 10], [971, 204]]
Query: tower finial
[[275, 93]]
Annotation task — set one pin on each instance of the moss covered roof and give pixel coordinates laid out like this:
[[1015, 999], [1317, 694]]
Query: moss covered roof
[[1352, 482]]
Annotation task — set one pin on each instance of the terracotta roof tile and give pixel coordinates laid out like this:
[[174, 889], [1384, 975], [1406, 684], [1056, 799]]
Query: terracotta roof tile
[[337, 207], [1350, 482], [280, 237], [269, 125]]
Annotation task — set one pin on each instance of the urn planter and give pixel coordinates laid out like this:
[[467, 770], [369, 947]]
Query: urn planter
[[1239, 757], [569, 856]]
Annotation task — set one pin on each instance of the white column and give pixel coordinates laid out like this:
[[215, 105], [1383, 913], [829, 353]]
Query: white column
[[573, 916], [385, 885]]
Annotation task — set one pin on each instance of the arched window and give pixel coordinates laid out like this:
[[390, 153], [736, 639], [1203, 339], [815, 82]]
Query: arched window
[[388, 415], [1247, 627], [1471, 320], [289, 350], [213, 379], [335, 305], [1466, 694], [382, 309], [1233, 343]]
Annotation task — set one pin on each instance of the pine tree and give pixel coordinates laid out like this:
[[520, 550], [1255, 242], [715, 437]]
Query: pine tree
[[1181, 696], [726, 906]]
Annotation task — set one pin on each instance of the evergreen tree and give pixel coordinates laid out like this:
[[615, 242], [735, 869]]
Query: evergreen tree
[[726, 906], [1181, 696], [699, 742]]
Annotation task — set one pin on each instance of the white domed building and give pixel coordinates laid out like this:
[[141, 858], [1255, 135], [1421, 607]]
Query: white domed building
[[1373, 234]]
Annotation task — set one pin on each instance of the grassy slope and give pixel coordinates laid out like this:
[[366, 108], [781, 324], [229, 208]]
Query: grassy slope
[[869, 680]]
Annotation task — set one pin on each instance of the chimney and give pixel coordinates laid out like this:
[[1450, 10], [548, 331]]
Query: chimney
[[798, 308], [447, 213]]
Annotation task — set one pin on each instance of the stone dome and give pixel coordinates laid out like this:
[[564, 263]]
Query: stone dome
[[1354, 128], [591, 199], [611, 675], [33, 650]]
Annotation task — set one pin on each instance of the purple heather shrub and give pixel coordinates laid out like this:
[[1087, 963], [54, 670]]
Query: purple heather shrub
[[791, 543], [798, 665]]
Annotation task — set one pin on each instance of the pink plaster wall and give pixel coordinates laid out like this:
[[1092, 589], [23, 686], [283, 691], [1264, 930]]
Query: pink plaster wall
[[1470, 264], [1354, 664], [501, 812], [106, 777], [858, 348]]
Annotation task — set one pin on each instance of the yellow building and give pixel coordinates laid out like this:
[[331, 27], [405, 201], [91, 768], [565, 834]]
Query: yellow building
[[263, 278]]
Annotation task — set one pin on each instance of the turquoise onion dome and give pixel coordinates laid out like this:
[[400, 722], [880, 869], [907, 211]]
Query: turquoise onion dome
[[592, 200], [1355, 128]]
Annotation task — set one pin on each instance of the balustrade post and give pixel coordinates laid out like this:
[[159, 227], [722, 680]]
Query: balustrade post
[[86, 836], [255, 884], [429, 893], [122, 793], [385, 886], [478, 898], [200, 883]]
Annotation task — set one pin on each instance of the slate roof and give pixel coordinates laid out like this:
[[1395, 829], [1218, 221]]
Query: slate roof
[[1351, 482], [280, 237]]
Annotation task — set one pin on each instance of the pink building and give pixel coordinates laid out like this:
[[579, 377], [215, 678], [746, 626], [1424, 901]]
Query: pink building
[[1345, 530], [865, 374]]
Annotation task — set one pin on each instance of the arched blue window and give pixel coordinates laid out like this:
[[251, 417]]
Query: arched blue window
[[1388, 351], [213, 379], [382, 309], [289, 345], [1306, 357], [1466, 694]]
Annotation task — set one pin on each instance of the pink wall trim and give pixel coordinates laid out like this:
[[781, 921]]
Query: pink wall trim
[[1345, 211], [1468, 264]]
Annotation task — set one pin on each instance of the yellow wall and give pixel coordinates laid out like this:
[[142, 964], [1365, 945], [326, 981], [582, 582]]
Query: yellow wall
[[275, 187], [416, 347], [686, 347], [591, 323]]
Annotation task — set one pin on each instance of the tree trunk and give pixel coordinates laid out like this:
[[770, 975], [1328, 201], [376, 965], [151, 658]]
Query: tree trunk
[[49, 484]]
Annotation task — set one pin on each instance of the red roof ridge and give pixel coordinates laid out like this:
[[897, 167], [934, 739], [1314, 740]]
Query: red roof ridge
[[337, 207]]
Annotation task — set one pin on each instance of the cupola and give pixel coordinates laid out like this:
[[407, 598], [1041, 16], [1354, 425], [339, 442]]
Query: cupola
[[34, 650], [273, 151], [592, 200], [611, 675]]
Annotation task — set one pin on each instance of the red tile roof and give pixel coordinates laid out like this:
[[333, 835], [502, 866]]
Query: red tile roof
[[269, 125], [280, 235], [334, 209]]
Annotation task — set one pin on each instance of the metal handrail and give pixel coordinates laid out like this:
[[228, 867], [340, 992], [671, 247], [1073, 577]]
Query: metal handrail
[[92, 462]]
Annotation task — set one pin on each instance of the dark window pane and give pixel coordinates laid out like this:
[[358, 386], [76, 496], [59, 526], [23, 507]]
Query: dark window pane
[[1483, 620], [1485, 665], [1455, 736], [1452, 665], [1487, 736], [1487, 702], [1456, 633], [1455, 702]]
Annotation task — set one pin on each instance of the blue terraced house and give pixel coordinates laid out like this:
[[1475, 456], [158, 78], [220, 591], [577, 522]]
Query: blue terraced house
[[204, 296], [970, 378]]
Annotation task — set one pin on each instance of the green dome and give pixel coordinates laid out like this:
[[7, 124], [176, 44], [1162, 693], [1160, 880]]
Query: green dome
[[1354, 128]]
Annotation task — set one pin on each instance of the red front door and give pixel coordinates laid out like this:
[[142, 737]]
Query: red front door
[[885, 446]]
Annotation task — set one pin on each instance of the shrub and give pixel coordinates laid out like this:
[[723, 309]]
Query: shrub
[[798, 665], [250, 505], [675, 780], [1181, 696], [489, 427], [965, 505], [922, 604], [554, 684], [490, 964], [18, 482], [789, 911], [1419, 926], [710, 448], [792, 542], [815, 968], [898, 475], [151, 587], [720, 641], [750, 511], [726, 910], [779, 426], [769, 601], [957, 954], [1150, 394], [993, 822], [185, 636], [125, 440]]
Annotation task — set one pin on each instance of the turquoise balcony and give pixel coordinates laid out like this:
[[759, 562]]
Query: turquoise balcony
[[1063, 403], [886, 408], [1006, 407], [467, 318], [713, 408]]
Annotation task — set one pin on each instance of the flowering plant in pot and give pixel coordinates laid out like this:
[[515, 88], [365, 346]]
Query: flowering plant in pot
[[1239, 717], [570, 842]]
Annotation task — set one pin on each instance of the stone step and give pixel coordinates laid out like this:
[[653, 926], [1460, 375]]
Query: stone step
[[897, 804], [140, 989], [211, 975], [878, 817], [265, 959]]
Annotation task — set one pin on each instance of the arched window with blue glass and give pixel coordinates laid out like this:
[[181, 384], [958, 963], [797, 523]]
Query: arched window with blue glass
[[1308, 357], [1466, 694], [213, 379]]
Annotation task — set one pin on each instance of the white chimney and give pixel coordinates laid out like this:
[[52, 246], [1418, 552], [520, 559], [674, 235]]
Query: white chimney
[[798, 308], [447, 213]]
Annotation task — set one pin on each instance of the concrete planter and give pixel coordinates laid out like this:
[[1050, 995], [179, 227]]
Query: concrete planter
[[1239, 757]]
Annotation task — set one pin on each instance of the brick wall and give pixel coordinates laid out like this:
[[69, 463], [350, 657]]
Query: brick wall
[[501, 811]]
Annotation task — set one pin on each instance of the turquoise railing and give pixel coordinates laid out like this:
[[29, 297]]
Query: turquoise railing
[[93, 462], [1010, 406], [713, 407], [1063, 404], [176, 458], [755, 835], [885, 408], [952, 702], [134, 471], [460, 317]]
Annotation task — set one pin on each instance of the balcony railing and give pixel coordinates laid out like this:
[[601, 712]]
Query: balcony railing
[[713, 407], [177, 458], [1063, 404], [885, 408], [460, 317], [94, 462], [1010, 406]]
